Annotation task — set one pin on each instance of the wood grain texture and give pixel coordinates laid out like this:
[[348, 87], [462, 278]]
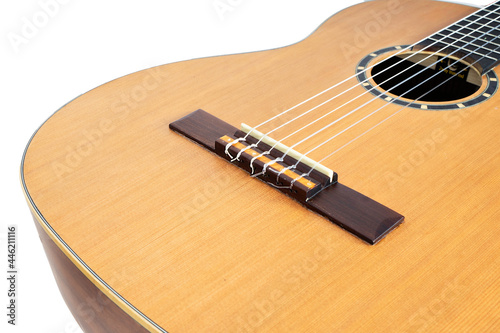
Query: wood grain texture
[[201, 248], [351, 210]]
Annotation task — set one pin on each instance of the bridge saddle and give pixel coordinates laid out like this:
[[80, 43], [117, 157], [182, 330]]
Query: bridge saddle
[[301, 180]]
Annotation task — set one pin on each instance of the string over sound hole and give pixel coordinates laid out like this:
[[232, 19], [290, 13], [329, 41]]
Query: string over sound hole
[[424, 80], [435, 78]]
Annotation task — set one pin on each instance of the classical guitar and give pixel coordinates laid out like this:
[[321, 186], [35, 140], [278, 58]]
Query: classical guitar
[[346, 183]]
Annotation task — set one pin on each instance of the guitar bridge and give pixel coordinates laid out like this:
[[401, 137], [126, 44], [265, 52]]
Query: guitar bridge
[[279, 171], [311, 184]]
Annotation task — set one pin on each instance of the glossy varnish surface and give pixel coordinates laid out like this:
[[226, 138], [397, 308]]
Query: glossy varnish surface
[[199, 246], [351, 210]]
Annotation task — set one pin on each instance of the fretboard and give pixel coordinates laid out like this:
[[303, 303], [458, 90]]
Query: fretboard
[[476, 36]]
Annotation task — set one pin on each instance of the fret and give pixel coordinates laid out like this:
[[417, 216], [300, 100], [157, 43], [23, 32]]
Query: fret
[[480, 30], [482, 33], [472, 37], [495, 11], [487, 15], [491, 12], [485, 19], [490, 9], [478, 33], [459, 40], [463, 48], [487, 10], [476, 21], [483, 25]]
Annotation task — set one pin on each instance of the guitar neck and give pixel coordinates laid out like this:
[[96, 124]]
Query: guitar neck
[[475, 36]]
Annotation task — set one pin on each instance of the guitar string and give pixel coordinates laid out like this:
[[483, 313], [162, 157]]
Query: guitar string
[[345, 104], [387, 118], [404, 107], [390, 116], [458, 40], [407, 48], [383, 121], [280, 159], [266, 135], [366, 69], [237, 157]]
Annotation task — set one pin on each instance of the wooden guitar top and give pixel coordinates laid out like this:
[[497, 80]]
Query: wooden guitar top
[[182, 241]]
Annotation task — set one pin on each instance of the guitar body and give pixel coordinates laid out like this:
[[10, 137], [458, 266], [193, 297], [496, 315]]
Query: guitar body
[[146, 230]]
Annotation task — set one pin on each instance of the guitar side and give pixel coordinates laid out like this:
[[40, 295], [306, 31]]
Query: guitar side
[[161, 235]]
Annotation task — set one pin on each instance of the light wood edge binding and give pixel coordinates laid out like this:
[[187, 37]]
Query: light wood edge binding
[[80, 264], [93, 310], [112, 295], [77, 261], [284, 149]]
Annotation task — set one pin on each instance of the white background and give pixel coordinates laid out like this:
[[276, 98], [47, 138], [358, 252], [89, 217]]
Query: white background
[[84, 44]]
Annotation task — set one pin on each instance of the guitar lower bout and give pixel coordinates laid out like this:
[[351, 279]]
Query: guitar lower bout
[[165, 236]]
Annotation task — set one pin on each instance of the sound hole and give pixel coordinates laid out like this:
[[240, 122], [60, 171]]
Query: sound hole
[[437, 79]]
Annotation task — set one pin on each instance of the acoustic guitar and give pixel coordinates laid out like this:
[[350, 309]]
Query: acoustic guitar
[[347, 183]]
